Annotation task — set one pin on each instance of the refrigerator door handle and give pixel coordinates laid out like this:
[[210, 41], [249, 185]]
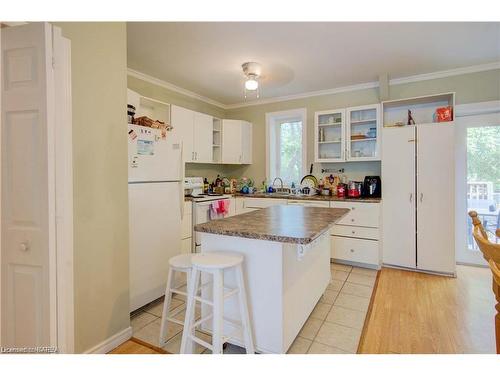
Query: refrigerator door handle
[[181, 183]]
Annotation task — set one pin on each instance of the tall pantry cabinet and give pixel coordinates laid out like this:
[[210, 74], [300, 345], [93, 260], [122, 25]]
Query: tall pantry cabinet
[[418, 211]]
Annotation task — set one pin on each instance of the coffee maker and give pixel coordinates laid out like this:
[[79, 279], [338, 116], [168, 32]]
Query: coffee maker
[[372, 187]]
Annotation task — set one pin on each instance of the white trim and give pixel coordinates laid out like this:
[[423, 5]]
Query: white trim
[[445, 73], [111, 342], [270, 118], [172, 87], [309, 94], [64, 194]]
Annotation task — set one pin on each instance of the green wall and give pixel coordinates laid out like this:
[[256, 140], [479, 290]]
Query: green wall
[[101, 273]]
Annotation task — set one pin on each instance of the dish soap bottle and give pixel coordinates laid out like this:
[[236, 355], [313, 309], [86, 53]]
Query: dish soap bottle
[[205, 186]]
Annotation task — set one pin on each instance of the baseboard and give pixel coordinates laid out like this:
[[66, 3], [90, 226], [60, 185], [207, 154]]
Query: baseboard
[[111, 342]]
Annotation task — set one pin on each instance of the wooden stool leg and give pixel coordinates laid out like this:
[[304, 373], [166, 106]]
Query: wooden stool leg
[[187, 341], [166, 308], [245, 317], [218, 311], [497, 327]]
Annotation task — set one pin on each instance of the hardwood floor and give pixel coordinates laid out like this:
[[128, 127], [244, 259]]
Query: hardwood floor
[[136, 346], [419, 313]]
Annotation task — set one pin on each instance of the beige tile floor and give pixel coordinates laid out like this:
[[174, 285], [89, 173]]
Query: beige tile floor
[[334, 326]]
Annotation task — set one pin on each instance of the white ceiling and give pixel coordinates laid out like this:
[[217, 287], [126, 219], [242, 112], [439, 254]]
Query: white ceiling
[[206, 58]]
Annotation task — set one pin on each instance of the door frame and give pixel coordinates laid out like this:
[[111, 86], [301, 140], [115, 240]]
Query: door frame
[[468, 115], [61, 254]]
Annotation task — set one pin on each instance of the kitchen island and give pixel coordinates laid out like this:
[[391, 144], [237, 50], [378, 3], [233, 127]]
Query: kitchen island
[[287, 267]]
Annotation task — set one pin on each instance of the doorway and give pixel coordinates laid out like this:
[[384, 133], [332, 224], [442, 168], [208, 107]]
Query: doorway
[[478, 179]]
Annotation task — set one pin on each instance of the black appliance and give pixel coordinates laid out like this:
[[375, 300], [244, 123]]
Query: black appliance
[[372, 187]]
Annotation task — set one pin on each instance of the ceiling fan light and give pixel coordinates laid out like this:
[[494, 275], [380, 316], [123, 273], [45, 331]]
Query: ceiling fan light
[[251, 84]]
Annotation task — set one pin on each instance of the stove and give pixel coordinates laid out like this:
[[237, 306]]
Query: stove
[[193, 187]]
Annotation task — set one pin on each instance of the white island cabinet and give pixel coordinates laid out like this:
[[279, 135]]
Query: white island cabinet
[[286, 268]]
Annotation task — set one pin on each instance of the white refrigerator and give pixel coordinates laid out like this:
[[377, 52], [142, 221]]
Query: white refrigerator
[[156, 196]]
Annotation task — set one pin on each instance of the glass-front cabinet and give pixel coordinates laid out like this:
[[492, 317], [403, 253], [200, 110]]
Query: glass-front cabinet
[[363, 133], [329, 136], [350, 134]]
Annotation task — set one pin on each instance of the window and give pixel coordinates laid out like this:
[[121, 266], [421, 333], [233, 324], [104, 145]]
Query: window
[[286, 145]]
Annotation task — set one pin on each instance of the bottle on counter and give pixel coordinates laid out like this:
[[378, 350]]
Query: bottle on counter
[[218, 181], [205, 186]]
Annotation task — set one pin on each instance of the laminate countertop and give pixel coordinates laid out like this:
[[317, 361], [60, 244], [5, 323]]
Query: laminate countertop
[[326, 198], [288, 224]]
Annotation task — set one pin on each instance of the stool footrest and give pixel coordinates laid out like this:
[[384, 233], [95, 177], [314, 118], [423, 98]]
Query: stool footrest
[[173, 320], [201, 342], [203, 300], [231, 292], [202, 320]]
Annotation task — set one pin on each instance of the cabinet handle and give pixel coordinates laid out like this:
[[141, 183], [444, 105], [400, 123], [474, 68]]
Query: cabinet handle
[[411, 197], [421, 197], [353, 232], [25, 246], [352, 220], [353, 208], [411, 140], [196, 156], [352, 250]]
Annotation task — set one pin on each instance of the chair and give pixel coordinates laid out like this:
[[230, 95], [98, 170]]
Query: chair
[[491, 252]]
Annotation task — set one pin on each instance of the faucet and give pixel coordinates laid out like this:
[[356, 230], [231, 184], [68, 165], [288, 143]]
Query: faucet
[[277, 178]]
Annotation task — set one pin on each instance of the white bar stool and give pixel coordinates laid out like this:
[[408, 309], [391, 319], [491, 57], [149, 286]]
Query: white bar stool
[[215, 263], [179, 263]]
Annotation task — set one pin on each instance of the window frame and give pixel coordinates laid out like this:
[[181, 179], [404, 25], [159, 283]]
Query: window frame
[[272, 120]]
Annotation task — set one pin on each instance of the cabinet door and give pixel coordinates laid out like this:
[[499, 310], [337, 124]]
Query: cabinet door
[[363, 133], [246, 142], [398, 197], [203, 138], [231, 141], [183, 123], [436, 198], [329, 136]]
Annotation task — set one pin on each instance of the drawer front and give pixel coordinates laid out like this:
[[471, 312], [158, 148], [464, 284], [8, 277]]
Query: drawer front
[[309, 203], [188, 208], [357, 232], [186, 226], [186, 245], [360, 214], [263, 202], [355, 250]]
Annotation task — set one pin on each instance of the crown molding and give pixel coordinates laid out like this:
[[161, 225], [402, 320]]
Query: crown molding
[[361, 86], [172, 87], [445, 73]]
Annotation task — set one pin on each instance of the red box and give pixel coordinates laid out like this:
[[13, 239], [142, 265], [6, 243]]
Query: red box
[[444, 114]]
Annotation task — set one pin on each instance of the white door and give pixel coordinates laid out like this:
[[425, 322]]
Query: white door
[[246, 141], [183, 123], [155, 237], [436, 197], [398, 197], [28, 187], [231, 141], [203, 137]]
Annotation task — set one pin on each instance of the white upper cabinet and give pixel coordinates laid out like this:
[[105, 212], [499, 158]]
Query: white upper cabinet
[[329, 136], [236, 142], [195, 131], [363, 133], [350, 134], [246, 149], [203, 137], [183, 123]]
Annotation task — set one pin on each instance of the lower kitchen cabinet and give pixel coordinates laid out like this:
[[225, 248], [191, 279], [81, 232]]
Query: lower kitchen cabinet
[[355, 250], [355, 238]]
